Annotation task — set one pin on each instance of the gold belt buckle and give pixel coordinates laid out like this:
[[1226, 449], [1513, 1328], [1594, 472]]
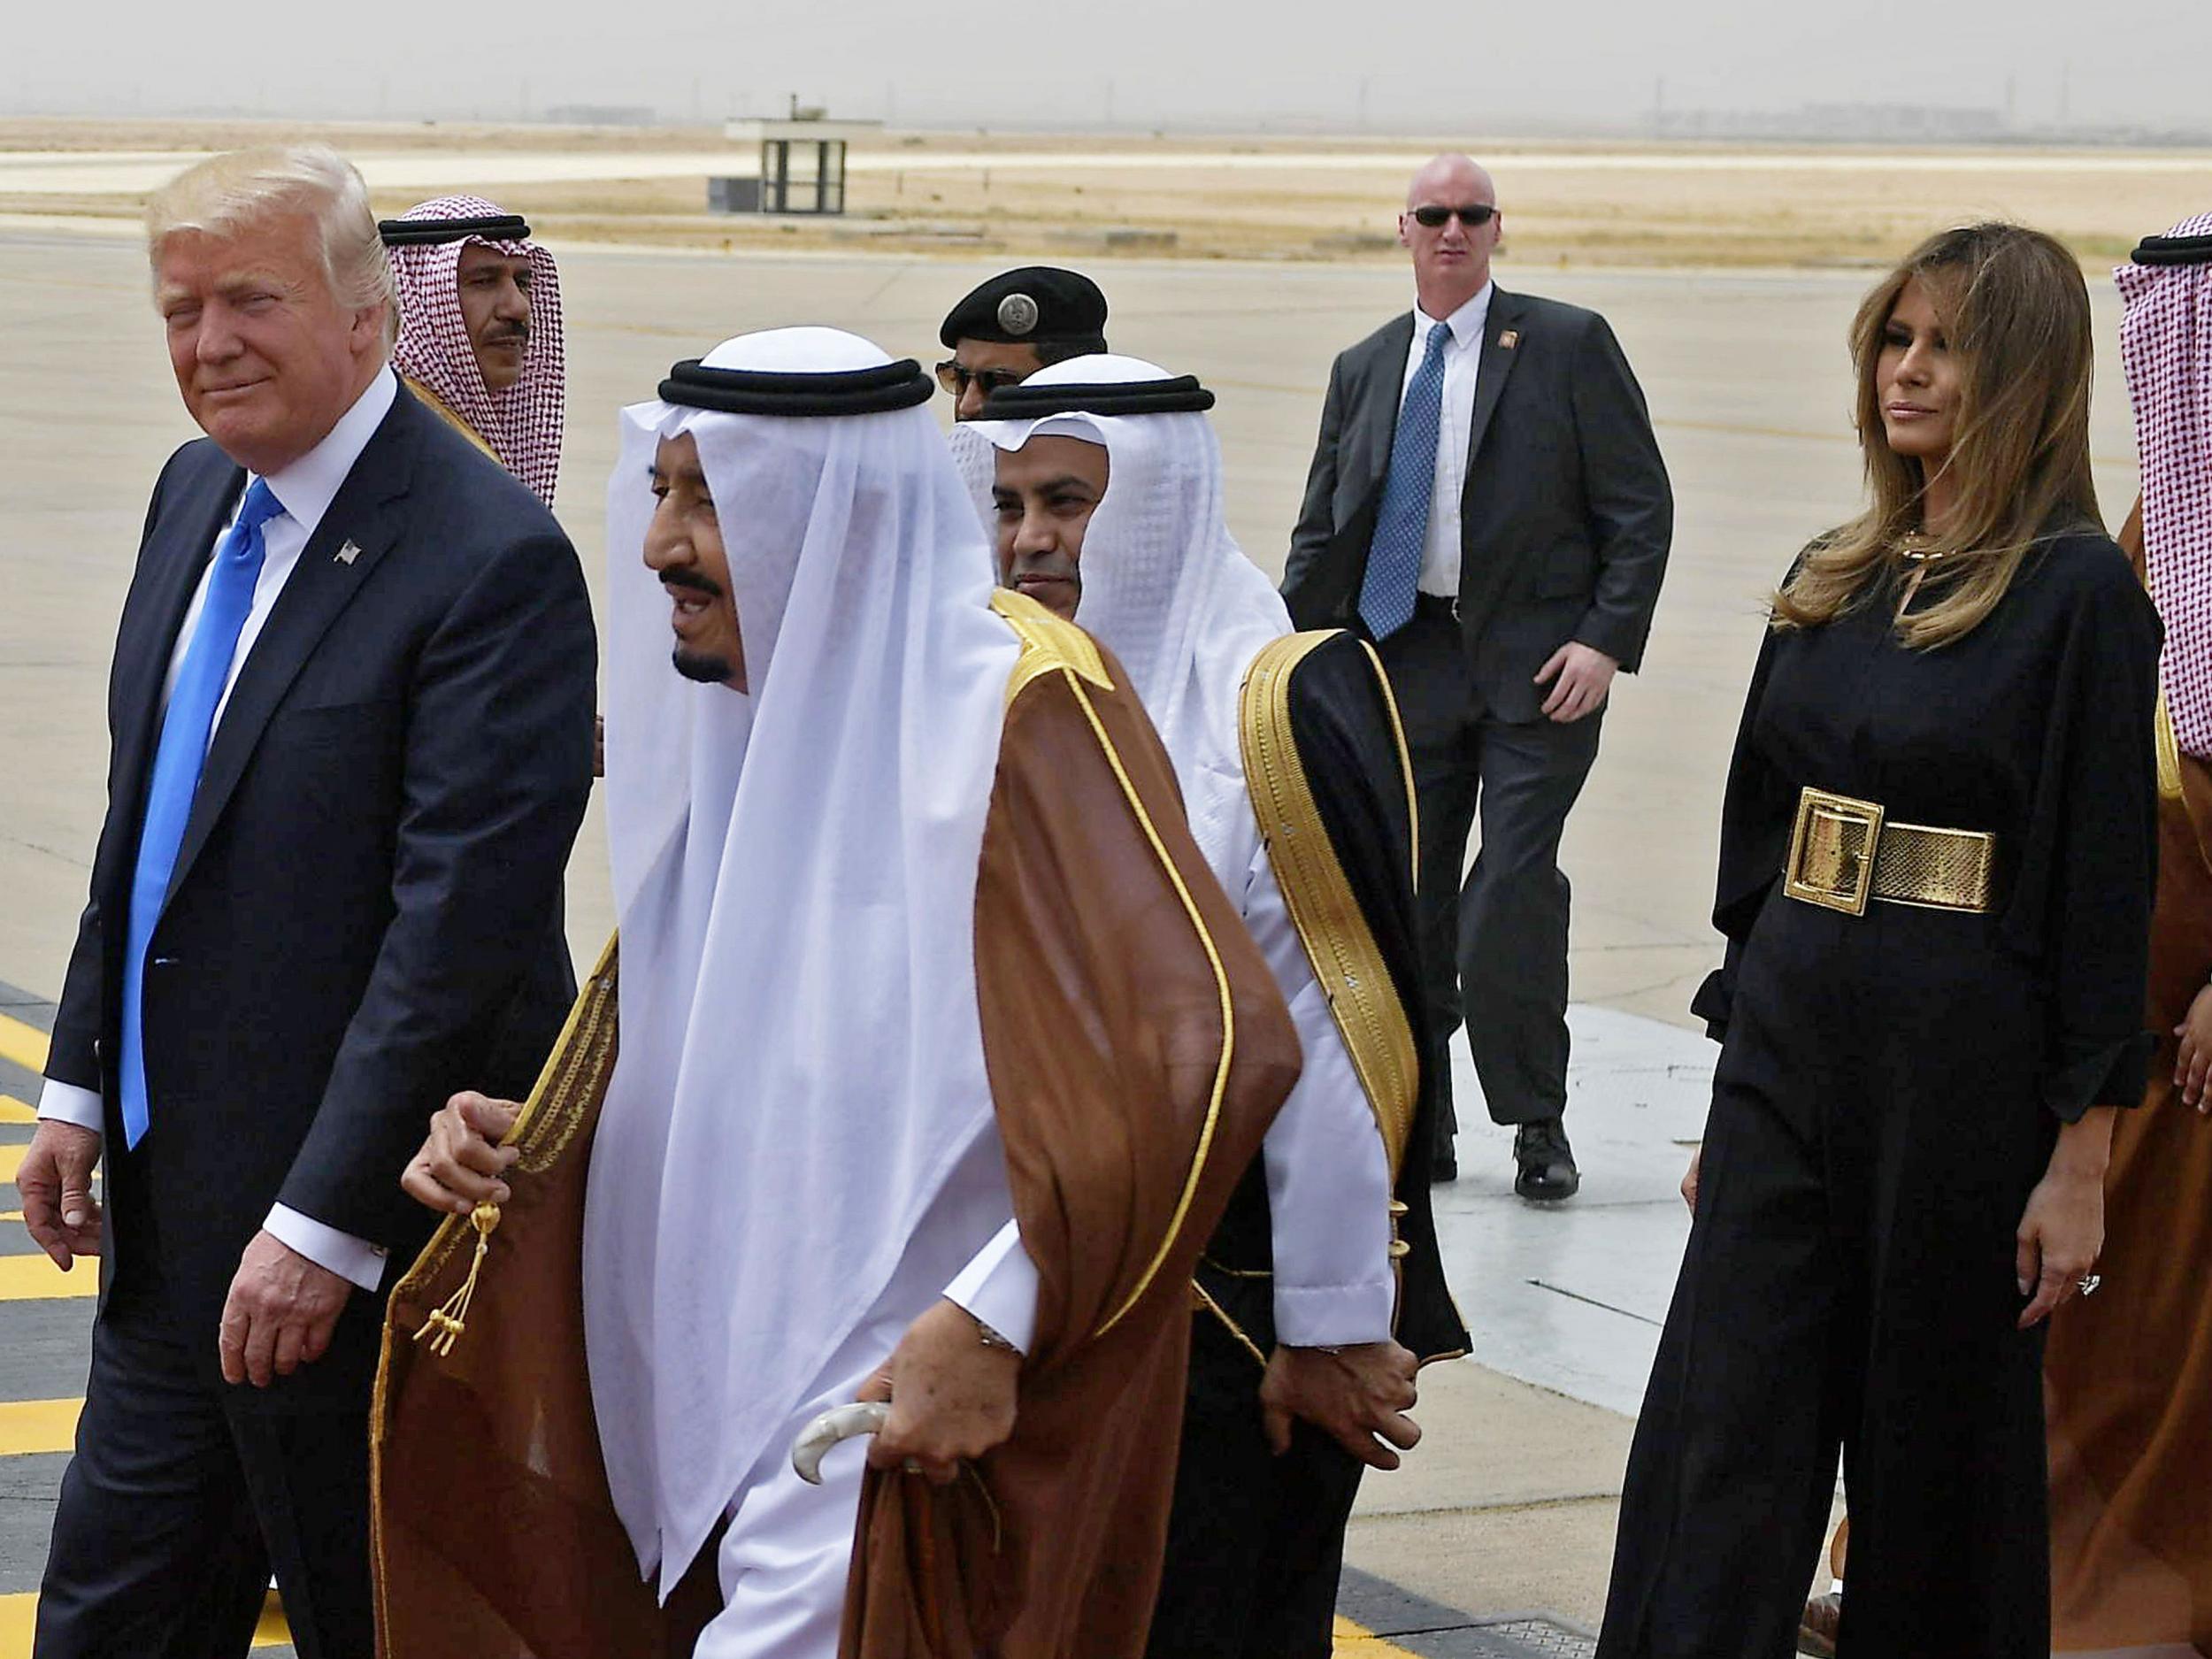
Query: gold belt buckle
[[1831, 851]]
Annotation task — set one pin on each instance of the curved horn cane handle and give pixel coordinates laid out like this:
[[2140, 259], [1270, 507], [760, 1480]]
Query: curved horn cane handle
[[838, 1423]]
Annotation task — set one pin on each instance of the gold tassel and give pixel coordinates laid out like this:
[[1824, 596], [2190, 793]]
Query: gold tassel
[[445, 1325]]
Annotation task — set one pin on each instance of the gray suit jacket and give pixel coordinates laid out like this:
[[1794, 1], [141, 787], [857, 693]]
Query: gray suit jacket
[[1566, 515]]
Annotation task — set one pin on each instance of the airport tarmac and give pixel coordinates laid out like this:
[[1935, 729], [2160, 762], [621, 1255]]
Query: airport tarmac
[[1510, 1506], [130, 172], [1746, 375]]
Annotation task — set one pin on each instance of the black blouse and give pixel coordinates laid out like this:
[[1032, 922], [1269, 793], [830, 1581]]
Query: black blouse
[[2039, 726]]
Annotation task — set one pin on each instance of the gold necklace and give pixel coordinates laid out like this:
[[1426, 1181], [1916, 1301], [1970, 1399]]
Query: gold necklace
[[1916, 548]]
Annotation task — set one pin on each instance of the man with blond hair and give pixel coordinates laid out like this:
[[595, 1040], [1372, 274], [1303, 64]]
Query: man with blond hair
[[349, 716]]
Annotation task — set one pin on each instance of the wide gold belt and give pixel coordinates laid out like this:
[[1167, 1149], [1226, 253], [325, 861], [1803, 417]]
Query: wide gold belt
[[1845, 852]]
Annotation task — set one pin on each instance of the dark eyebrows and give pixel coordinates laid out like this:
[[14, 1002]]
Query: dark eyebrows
[[1066, 484]]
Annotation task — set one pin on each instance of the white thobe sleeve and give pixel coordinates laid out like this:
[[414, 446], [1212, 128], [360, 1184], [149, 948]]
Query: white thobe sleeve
[[999, 1286], [1328, 1176], [354, 1260]]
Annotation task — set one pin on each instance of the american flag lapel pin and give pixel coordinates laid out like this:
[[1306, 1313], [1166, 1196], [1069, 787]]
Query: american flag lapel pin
[[1508, 339], [349, 552]]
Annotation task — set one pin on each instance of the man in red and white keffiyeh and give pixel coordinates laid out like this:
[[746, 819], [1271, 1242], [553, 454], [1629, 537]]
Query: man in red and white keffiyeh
[[480, 329], [2166, 343]]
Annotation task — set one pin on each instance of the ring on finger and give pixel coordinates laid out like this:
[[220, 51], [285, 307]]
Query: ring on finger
[[2088, 1282]]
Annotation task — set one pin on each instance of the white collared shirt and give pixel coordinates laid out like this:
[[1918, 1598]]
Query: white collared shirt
[[1463, 360], [304, 489]]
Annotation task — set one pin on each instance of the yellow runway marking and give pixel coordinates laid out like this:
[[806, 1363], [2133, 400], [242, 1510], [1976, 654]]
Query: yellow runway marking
[[10, 1161], [35, 1278], [17, 1614], [25, 1045], [15, 1111], [1364, 1644], [28, 1427], [273, 1631]]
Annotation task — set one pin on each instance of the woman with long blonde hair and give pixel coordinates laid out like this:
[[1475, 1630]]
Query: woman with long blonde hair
[[1937, 861]]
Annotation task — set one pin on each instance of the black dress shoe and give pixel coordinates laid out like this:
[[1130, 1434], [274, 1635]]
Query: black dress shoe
[[1545, 1162]]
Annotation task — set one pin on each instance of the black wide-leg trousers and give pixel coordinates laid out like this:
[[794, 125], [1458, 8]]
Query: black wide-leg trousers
[[1850, 1282]]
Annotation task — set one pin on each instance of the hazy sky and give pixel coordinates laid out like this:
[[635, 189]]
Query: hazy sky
[[1426, 64]]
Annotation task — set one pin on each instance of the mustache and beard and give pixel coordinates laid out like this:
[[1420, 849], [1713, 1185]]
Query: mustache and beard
[[707, 667]]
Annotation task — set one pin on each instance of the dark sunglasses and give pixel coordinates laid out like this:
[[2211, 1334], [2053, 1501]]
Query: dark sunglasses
[[1474, 213], [957, 377]]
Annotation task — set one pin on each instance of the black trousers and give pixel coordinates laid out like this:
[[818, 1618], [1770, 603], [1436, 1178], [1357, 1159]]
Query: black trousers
[[1256, 1542], [184, 1495], [1876, 1129], [1494, 950]]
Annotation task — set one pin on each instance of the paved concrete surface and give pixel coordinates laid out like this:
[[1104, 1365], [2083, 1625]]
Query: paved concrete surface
[[1745, 374], [1508, 1505]]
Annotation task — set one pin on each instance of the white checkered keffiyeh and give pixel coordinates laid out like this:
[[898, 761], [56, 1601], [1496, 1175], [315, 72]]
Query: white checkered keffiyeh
[[2166, 344], [522, 423]]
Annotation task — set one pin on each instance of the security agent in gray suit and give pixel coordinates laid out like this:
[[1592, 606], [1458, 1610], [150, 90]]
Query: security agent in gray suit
[[1488, 503]]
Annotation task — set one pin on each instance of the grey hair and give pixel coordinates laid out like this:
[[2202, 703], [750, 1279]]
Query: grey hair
[[225, 193]]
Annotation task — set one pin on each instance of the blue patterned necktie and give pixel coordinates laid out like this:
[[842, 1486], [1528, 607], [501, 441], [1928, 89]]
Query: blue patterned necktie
[[1402, 525], [175, 777]]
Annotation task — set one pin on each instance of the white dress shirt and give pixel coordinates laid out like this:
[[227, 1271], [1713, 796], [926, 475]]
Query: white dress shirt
[[305, 490], [1463, 360]]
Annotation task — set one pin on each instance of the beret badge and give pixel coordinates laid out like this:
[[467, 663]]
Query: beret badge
[[1017, 314]]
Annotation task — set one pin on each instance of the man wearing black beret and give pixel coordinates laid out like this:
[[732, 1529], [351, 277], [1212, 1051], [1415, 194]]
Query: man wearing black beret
[[1014, 325]]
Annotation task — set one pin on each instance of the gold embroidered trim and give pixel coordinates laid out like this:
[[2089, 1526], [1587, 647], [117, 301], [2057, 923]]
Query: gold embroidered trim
[[1341, 947], [1405, 761], [1213, 956], [1235, 1330], [1048, 645], [1213, 1266], [451, 415], [2169, 754]]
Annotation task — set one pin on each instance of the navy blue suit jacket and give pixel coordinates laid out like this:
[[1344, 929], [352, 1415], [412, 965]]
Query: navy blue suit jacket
[[366, 913]]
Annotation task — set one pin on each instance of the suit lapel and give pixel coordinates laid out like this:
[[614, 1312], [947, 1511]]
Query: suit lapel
[[171, 569], [1500, 350], [1380, 399], [363, 522]]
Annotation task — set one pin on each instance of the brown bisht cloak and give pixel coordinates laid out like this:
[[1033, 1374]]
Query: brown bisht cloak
[[2128, 1371], [1137, 1050], [493, 1534]]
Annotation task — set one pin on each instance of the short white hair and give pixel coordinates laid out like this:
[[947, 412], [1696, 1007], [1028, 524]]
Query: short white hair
[[225, 193]]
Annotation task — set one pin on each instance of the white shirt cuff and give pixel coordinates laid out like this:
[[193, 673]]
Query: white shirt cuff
[[353, 1259], [1335, 1316], [67, 1103], [1000, 1288]]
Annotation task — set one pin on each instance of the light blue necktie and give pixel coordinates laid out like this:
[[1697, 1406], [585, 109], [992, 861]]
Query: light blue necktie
[[1402, 525], [175, 776]]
